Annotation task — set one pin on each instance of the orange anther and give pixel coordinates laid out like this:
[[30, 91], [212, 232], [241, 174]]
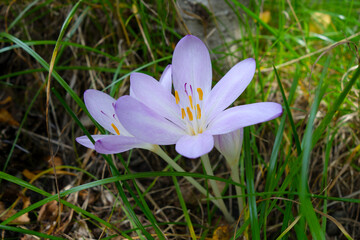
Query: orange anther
[[177, 99], [200, 92], [189, 113], [191, 102], [183, 114], [198, 111], [116, 129]]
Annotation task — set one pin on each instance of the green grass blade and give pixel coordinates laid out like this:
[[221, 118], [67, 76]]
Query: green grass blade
[[49, 198], [140, 201], [129, 176], [20, 127], [239, 232], [22, 183], [105, 181], [287, 108], [71, 32], [63, 31], [136, 70], [115, 87], [21, 15], [306, 206], [250, 186], [265, 25], [72, 114], [61, 81], [29, 232], [324, 180], [63, 43], [129, 209], [184, 208], [279, 135], [334, 107], [114, 171]]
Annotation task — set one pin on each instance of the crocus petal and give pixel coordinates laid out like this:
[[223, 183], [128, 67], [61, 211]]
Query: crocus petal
[[144, 123], [195, 146], [229, 88], [101, 107], [243, 116], [117, 144], [166, 78], [191, 64], [150, 92], [85, 141], [229, 145]]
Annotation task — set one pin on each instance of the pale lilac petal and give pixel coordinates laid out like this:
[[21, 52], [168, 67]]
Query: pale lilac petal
[[229, 145], [195, 146], [85, 141], [191, 64], [150, 92], [101, 107], [117, 144], [243, 116], [229, 88], [144, 123], [166, 78]]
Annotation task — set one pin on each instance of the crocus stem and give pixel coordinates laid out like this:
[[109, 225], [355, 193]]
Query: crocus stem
[[236, 178], [157, 149], [221, 204]]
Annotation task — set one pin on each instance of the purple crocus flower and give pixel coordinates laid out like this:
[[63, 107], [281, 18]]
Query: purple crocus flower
[[101, 107], [195, 113]]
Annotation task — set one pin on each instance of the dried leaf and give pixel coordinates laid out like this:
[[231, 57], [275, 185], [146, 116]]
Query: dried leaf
[[6, 100], [6, 117], [221, 185], [222, 233], [190, 196], [29, 175], [49, 211], [20, 220], [90, 198], [265, 16], [29, 237], [320, 23], [57, 161], [323, 18], [26, 201]]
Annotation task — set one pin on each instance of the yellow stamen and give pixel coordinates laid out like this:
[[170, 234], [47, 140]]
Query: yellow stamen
[[191, 103], [183, 114], [189, 113], [200, 92], [177, 99], [116, 129], [198, 112]]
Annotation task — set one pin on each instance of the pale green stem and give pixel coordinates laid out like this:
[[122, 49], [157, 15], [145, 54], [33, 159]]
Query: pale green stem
[[236, 178], [157, 149], [221, 204]]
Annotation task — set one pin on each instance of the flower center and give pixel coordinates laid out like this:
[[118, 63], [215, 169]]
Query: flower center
[[191, 109]]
